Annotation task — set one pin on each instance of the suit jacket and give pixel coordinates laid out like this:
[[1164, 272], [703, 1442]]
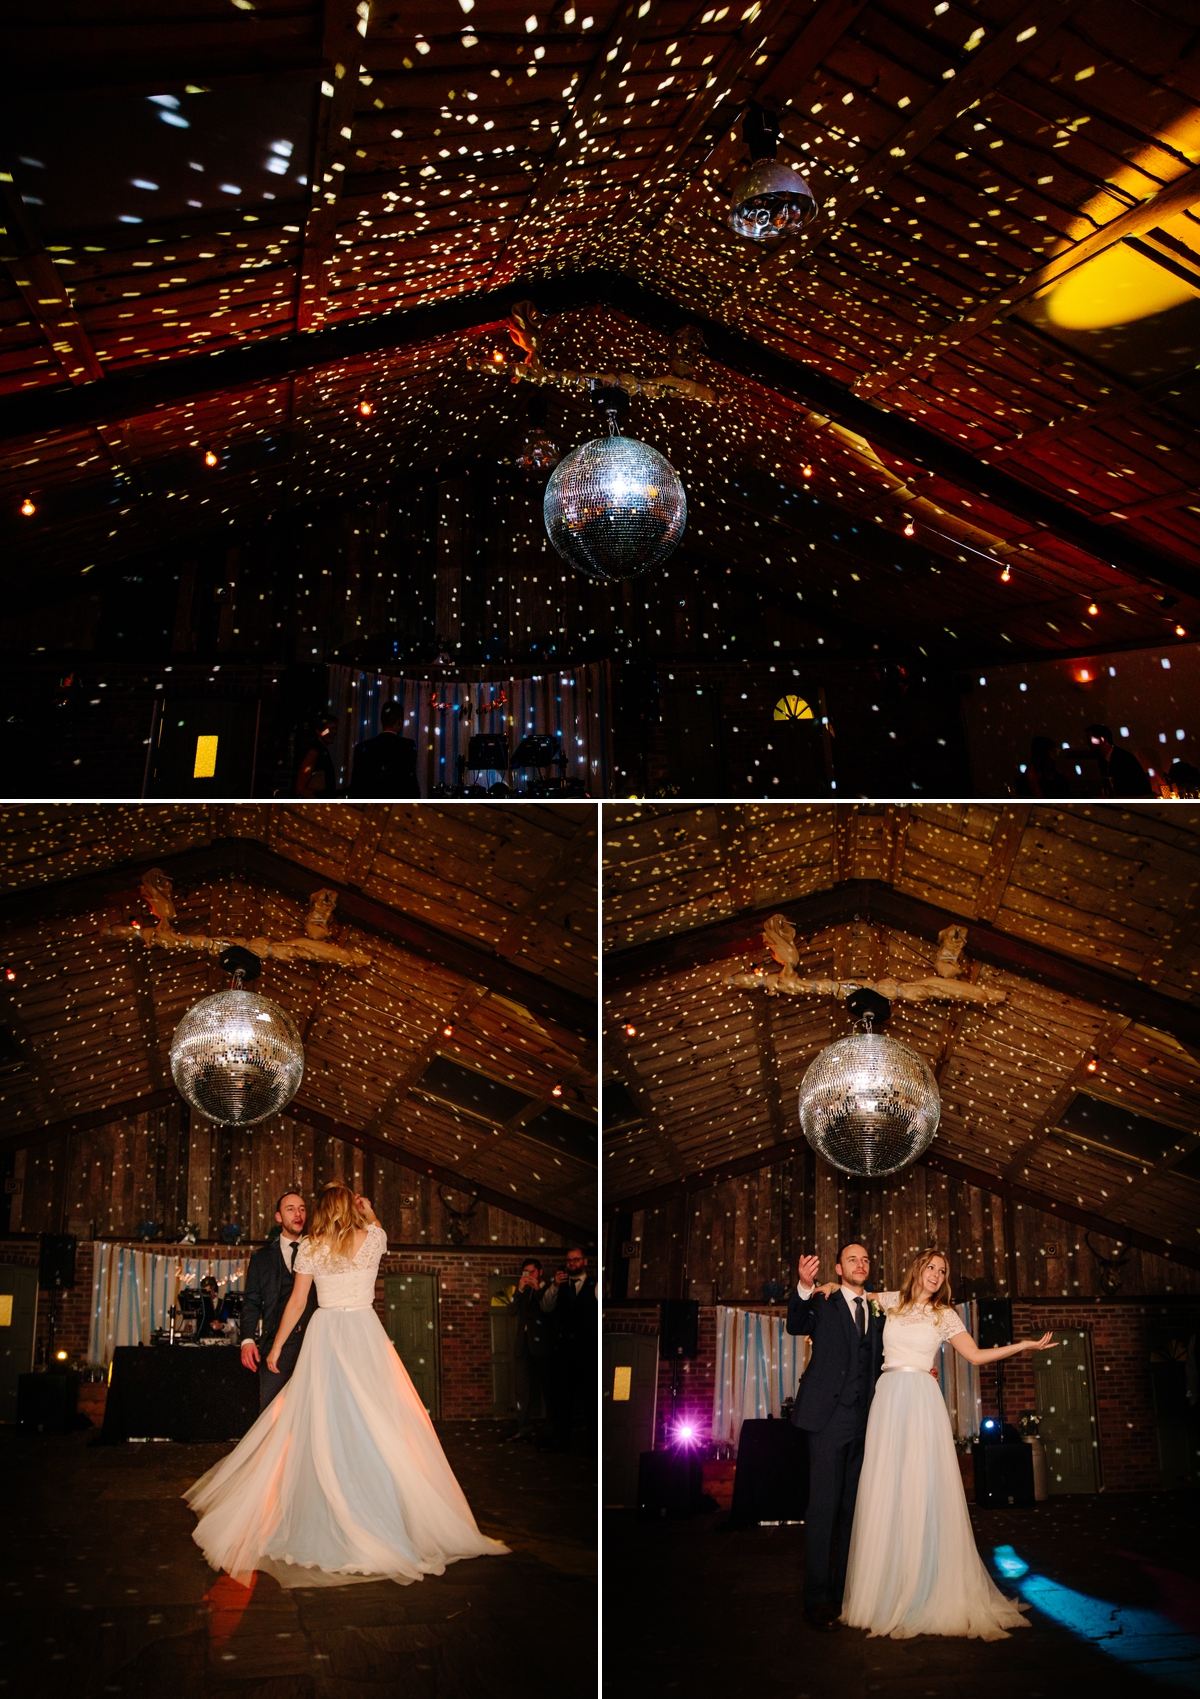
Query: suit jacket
[[535, 1329], [574, 1316], [384, 766], [830, 1325], [269, 1285]]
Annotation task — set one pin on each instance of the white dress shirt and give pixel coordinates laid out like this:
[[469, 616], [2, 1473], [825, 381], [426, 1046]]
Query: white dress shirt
[[285, 1249], [848, 1295]]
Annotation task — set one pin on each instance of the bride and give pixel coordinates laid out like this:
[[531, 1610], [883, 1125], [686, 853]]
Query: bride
[[913, 1567], [342, 1477]]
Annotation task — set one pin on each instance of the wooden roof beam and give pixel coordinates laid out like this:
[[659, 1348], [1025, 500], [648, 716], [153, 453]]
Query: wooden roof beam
[[341, 46]]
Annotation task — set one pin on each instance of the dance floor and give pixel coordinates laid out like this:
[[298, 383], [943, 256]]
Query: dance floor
[[104, 1592], [1114, 1582]]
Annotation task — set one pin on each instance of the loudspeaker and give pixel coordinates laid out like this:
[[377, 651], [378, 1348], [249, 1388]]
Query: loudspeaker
[[771, 1481], [1004, 1476], [679, 1328], [47, 1403], [56, 1261], [669, 1483], [995, 1322]]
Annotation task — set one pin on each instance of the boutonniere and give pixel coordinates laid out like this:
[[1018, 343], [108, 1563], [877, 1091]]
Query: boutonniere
[[876, 1308]]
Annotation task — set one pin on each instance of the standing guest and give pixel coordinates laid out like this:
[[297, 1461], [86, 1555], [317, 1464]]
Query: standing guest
[[572, 1302], [1121, 773], [316, 780], [269, 1281], [531, 1349], [385, 766], [1044, 778]]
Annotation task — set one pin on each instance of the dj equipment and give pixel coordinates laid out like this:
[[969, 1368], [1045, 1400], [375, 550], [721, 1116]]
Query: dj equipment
[[771, 1481], [534, 751], [56, 1261], [487, 752], [669, 1483], [995, 1322], [47, 1403], [679, 1327], [1004, 1475]]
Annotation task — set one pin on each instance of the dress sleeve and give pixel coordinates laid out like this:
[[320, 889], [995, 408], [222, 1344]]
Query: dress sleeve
[[950, 1323], [304, 1258], [887, 1300], [378, 1236]]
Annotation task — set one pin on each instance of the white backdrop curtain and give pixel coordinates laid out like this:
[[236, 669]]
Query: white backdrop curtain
[[133, 1290], [443, 717], [759, 1364]]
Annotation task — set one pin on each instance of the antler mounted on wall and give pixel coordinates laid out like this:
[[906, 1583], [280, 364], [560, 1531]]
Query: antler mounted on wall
[[1112, 1269], [313, 947], [460, 1219], [945, 987], [524, 327]]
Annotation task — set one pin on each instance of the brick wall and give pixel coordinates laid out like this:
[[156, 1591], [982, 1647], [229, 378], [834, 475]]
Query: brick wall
[[697, 1380], [465, 1328]]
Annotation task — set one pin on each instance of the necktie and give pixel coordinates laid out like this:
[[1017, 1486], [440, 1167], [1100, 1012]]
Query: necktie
[[860, 1317], [295, 1248]]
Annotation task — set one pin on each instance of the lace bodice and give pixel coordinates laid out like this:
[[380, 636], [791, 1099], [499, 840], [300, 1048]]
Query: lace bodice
[[912, 1337], [342, 1284]]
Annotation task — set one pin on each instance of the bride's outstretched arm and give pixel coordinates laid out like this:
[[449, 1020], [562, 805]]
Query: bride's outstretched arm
[[966, 1347], [291, 1315]]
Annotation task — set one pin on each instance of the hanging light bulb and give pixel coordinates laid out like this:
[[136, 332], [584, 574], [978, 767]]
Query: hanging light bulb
[[869, 1105], [806, 471], [210, 458], [366, 408], [236, 1057], [28, 508], [1093, 609], [1006, 575], [770, 201], [910, 529], [614, 507]]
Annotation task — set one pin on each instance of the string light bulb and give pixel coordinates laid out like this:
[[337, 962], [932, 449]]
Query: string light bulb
[[1180, 631], [10, 973], [366, 408], [210, 457], [556, 1091], [910, 529], [28, 508], [448, 1030], [1092, 1065], [806, 471], [630, 1030], [1006, 575], [1093, 609]]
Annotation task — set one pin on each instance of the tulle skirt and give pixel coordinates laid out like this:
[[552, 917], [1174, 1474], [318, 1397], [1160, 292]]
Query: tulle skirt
[[913, 1565], [342, 1477]]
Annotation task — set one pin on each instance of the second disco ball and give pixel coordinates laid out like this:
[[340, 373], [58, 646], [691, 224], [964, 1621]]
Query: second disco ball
[[869, 1105]]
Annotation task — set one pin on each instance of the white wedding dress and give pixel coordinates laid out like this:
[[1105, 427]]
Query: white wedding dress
[[913, 1566], [342, 1477]]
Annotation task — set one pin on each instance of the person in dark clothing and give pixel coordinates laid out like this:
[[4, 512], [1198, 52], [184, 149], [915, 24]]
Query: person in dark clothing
[[571, 1300], [1043, 776], [1121, 773], [269, 1282], [532, 1346], [316, 779], [1184, 779], [385, 766]]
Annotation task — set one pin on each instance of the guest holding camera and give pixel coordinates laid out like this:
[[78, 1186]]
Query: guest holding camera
[[531, 1350]]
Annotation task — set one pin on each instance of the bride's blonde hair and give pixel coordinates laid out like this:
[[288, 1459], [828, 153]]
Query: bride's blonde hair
[[336, 1219], [910, 1285]]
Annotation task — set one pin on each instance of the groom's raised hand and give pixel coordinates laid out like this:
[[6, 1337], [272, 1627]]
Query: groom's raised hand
[[808, 1270]]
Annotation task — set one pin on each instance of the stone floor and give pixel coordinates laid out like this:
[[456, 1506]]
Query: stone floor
[[695, 1608], [102, 1590]]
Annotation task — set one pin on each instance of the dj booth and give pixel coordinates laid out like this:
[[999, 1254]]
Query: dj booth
[[181, 1392]]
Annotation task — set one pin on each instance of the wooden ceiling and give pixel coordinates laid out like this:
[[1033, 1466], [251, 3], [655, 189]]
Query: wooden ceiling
[[329, 204], [482, 919], [1077, 1094]]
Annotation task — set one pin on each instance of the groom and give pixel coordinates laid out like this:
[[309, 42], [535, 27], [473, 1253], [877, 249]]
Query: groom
[[832, 1402], [269, 1282]]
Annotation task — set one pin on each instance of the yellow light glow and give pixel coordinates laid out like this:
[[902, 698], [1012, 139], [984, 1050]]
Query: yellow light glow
[[1118, 287], [793, 708], [622, 1383], [206, 758], [5, 1309]]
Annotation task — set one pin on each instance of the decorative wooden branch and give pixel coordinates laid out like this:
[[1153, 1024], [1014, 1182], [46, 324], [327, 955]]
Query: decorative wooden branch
[[524, 328], [313, 947], [947, 987]]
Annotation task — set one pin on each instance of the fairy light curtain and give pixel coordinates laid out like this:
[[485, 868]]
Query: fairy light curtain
[[133, 1290], [759, 1364], [442, 718]]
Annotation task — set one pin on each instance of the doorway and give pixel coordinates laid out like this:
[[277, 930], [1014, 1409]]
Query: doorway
[[1064, 1383], [630, 1397], [204, 748], [410, 1304], [695, 749], [18, 1320]]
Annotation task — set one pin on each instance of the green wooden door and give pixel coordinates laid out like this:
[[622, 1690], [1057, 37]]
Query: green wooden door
[[1063, 1381], [630, 1391], [18, 1316], [410, 1301], [504, 1334]]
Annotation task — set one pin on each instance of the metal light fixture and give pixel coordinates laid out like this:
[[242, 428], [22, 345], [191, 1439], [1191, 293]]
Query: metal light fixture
[[236, 1057], [869, 1105], [614, 507], [537, 453], [771, 201]]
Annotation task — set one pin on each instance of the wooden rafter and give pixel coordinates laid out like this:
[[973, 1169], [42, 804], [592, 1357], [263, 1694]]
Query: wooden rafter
[[1090, 1058], [64, 1126], [43, 291], [341, 47], [578, 853], [1006, 846], [652, 1123]]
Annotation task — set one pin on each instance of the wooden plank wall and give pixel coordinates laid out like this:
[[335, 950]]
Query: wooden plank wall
[[751, 1230], [170, 1166]]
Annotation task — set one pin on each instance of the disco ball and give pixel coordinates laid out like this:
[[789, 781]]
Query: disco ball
[[614, 508], [537, 452], [869, 1105], [237, 1058], [770, 202]]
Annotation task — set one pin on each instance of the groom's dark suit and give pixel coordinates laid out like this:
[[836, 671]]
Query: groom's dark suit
[[269, 1282], [831, 1406]]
